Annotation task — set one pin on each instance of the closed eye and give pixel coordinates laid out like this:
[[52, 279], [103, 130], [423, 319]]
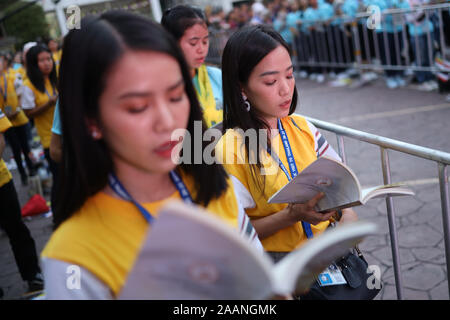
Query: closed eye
[[135, 110], [176, 99]]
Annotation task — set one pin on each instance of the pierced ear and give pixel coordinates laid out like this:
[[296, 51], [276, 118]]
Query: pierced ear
[[94, 129], [244, 96]]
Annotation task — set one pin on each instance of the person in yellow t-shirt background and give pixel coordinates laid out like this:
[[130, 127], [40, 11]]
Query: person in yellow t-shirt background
[[17, 134], [38, 98], [56, 52], [189, 27], [22, 244]]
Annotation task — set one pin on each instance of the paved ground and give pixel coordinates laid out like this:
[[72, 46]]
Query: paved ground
[[411, 116], [405, 114]]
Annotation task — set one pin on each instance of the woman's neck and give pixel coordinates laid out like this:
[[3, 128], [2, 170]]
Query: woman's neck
[[193, 72], [143, 186], [272, 122]]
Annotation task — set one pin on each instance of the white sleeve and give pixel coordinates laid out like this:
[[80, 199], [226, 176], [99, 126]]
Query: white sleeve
[[27, 98], [66, 281], [321, 145], [246, 228], [242, 193]]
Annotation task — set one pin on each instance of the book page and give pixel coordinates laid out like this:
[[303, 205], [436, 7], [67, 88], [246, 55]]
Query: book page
[[299, 269], [384, 191], [327, 175], [191, 254]]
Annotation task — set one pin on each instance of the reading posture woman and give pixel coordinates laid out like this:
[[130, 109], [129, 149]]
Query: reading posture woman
[[260, 94], [125, 87]]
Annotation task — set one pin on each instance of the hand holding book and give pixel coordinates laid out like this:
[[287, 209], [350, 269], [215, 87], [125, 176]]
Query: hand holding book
[[306, 211], [339, 183]]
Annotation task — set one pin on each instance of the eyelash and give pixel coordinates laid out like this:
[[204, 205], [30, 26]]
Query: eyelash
[[137, 110], [177, 99], [142, 108], [273, 82], [194, 44]]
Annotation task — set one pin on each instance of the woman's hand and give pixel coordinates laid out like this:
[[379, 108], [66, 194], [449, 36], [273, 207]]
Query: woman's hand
[[52, 100], [348, 215], [293, 213], [306, 212]]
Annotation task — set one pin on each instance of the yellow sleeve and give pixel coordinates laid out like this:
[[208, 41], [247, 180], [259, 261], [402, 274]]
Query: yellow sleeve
[[4, 122], [230, 152]]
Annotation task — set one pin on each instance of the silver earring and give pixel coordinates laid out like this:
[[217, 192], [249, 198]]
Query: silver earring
[[95, 134], [247, 103]]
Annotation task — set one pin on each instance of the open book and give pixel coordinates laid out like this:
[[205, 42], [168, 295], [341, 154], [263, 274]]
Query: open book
[[339, 183], [191, 254]]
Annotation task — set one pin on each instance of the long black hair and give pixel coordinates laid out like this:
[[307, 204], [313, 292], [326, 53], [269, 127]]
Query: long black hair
[[178, 19], [88, 55], [34, 73], [242, 53]]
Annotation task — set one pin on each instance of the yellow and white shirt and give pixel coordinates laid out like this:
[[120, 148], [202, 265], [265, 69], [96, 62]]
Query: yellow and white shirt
[[12, 101], [103, 238], [31, 98], [307, 144]]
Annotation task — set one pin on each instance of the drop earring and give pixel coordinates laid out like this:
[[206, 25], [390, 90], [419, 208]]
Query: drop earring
[[246, 102], [95, 134]]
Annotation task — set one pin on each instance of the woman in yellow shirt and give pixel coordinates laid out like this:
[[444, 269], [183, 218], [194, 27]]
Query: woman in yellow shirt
[[17, 135], [189, 27], [260, 94], [38, 97], [118, 115]]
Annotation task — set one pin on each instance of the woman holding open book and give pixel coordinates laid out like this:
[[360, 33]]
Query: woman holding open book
[[124, 88], [260, 94]]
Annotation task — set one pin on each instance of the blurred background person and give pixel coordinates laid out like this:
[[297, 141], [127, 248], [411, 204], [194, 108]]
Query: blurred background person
[[17, 134], [188, 26]]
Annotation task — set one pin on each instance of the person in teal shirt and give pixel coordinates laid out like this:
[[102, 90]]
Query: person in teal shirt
[[390, 50], [418, 28], [316, 37]]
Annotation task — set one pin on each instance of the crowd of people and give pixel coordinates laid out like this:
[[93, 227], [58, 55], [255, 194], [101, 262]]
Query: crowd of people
[[28, 96], [105, 107], [320, 31]]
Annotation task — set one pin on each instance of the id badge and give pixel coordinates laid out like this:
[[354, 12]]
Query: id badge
[[331, 276]]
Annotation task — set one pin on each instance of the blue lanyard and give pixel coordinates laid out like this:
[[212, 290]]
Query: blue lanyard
[[120, 190], [293, 168], [46, 92]]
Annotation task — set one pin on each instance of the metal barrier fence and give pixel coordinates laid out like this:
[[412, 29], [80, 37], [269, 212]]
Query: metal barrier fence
[[414, 38], [442, 160], [217, 41], [348, 42]]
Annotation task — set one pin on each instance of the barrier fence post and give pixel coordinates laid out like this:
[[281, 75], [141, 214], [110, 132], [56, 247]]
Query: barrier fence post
[[392, 225], [341, 148], [443, 186]]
